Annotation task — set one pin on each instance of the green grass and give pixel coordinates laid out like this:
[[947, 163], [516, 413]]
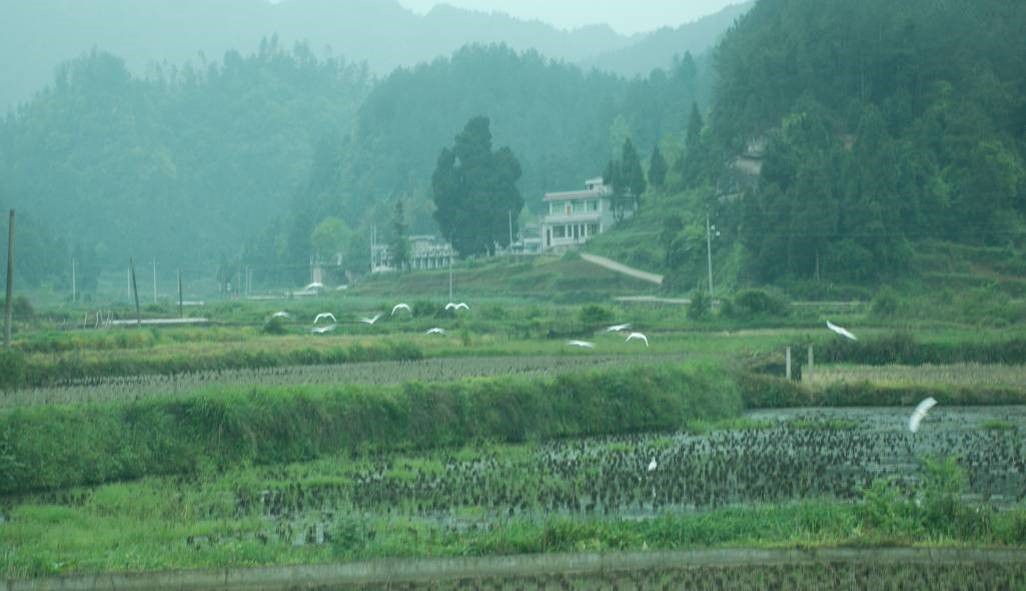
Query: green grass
[[55, 447]]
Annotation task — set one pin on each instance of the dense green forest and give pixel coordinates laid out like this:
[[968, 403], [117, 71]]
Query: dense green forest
[[564, 124], [883, 125], [184, 165]]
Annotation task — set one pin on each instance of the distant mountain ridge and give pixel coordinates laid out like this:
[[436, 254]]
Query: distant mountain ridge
[[656, 49], [37, 36]]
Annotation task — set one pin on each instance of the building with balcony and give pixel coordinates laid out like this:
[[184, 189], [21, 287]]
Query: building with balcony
[[572, 217]]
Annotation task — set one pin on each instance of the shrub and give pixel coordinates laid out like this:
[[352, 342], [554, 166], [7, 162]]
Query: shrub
[[700, 305], [274, 326], [21, 307], [424, 308], [751, 303], [13, 369], [594, 314], [885, 302]]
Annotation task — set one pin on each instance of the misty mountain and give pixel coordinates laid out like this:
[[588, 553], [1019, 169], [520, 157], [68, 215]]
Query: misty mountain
[[656, 49], [37, 36], [183, 165]]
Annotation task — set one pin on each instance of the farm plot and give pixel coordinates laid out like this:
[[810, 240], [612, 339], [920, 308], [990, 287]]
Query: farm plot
[[356, 501], [968, 375], [132, 388], [939, 577], [805, 455]]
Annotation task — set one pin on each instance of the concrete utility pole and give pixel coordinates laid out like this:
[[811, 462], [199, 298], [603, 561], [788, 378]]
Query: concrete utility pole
[[450, 277], [708, 252], [180, 302], [154, 281], [510, 213], [135, 291], [74, 282], [10, 282]]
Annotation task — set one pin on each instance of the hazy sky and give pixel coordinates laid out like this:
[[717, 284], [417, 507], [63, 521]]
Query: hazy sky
[[625, 16]]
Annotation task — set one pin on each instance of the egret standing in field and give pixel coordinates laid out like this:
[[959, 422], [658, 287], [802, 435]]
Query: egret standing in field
[[581, 344], [652, 465], [841, 331], [372, 320], [920, 413], [637, 336], [401, 307], [324, 315]]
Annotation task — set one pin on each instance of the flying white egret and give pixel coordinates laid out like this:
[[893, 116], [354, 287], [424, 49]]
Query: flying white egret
[[283, 315], [652, 465], [324, 329], [581, 344], [459, 306], [370, 320], [637, 335], [841, 331], [435, 330], [920, 413], [401, 307], [324, 315], [313, 286], [618, 327]]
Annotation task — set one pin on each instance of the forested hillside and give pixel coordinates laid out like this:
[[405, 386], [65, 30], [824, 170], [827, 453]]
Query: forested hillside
[[563, 124], [184, 165], [38, 35], [884, 125]]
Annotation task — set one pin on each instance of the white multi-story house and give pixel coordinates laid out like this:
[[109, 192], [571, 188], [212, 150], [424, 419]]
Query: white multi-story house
[[574, 216]]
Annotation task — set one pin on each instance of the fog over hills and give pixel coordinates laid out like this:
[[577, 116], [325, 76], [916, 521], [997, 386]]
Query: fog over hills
[[36, 36]]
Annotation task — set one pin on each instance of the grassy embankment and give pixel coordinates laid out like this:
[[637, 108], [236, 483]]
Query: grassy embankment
[[60, 446]]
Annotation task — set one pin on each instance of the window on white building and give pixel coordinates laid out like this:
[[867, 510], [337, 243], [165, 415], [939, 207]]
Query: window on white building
[[559, 231], [592, 205]]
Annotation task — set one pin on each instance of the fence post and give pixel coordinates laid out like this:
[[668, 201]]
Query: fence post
[[812, 364], [10, 283], [787, 356]]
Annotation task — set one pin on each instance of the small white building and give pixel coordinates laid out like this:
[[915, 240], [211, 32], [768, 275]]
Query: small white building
[[426, 252], [572, 217]]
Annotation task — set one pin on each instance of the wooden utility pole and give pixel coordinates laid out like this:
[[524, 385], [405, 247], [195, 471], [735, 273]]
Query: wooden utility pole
[[708, 250], [787, 361], [10, 282], [135, 291], [180, 302]]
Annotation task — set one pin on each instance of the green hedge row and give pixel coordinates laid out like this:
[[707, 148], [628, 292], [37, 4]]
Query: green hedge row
[[18, 371], [764, 391], [905, 349], [55, 447]]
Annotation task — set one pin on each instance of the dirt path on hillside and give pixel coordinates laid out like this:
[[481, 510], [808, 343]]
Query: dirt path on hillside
[[624, 269]]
